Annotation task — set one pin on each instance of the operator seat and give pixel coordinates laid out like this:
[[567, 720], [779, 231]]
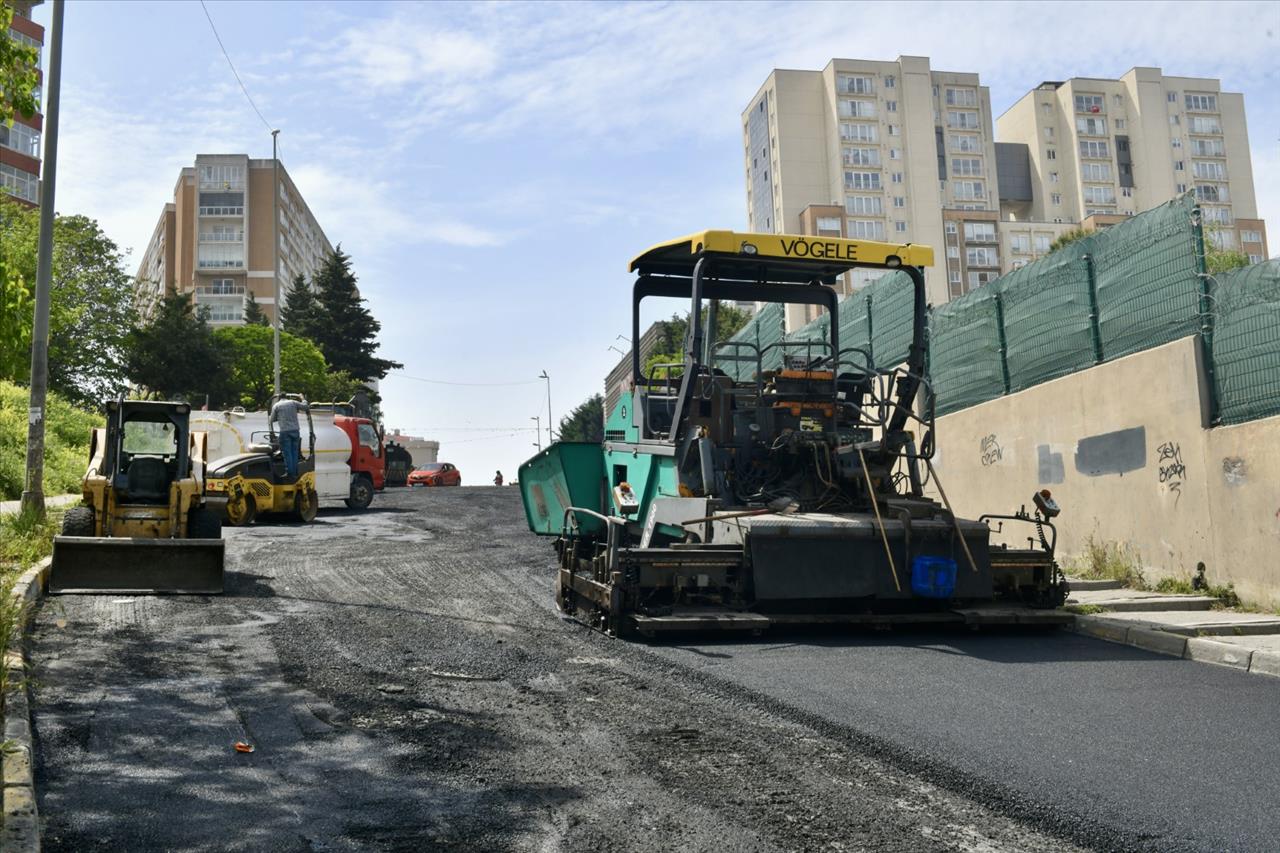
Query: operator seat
[[148, 480]]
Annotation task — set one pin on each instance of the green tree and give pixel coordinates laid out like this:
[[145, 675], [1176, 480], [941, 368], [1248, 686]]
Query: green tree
[[669, 347], [174, 355], [1068, 237], [1218, 258], [253, 315], [91, 298], [18, 75], [248, 364], [348, 331], [301, 315], [584, 423]]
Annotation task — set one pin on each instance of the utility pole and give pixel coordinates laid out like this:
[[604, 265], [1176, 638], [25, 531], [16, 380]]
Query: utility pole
[[550, 438], [537, 432], [33, 494], [275, 255]]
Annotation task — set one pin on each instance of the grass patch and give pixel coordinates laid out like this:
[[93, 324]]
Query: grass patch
[[66, 443], [25, 539], [1108, 561], [1084, 609]]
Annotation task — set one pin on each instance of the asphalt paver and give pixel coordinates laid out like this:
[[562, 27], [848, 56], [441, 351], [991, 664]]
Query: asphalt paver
[[406, 684]]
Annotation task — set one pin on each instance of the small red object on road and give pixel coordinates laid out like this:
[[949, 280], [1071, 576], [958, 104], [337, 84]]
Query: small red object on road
[[241, 746]]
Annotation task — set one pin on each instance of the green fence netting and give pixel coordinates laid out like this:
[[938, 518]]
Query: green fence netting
[[1246, 342], [892, 299], [964, 351], [1146, 272], [855, 327], [1048, 322], [762, 330], [816, 333]]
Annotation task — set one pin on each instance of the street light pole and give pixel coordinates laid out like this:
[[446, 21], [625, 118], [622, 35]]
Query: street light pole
[[550, 437], [33, 494], [275, 255], [537, 432]]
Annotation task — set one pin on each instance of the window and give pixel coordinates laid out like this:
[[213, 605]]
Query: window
[[1117, 100], [1119, 124], [891, 106], [1056, 198], [1053, 177], [970, 190], [1046, 108], [899, 201], [1209, 170], [858, 132], [857, 109], [1127, 192], [894, 130], [1204, 124], [1096, 148], [1255, 259], [866, 205], [980, 232], [1212, 192], [222, 177], [1203, 103], [1251, 236], [1089, 103], [966, 167], [18, 183], [1179, 165], [1098, 172], [977, 278], [20, 138], [1175, 120], [862, 180], [1173, 97], [964, 143], [1180, 188], [954, 276], [953, 251], [862, 156], [896, 177], [829, 223], [1091, 126], [950, 227], [1099, 195], [966, 120], [1221, 238], [1048, 134], [848, 84], [899, 226], [1042, 243], [1020, 243], [866, 229], [982, 256], [1204, 148], [889, 81], [895, 154], [1177, 142], [962, 97], [222, 234], [1050, 154]]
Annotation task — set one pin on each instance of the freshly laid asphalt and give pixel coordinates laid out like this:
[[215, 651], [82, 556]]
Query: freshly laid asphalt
[[407, 685]]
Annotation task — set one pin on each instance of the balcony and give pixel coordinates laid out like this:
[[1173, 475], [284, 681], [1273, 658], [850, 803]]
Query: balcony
[[222, 237], [214, 257], [219, 290]]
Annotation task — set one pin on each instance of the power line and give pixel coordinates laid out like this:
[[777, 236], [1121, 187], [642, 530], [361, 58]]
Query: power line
[[463, 384], [467, 429], [233, 67]]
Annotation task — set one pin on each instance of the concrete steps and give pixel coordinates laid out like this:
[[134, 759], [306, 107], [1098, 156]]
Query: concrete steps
[[1129, 600], [1080, 584]]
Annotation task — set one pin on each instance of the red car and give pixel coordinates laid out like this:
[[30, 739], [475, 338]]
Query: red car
[[435, 474]]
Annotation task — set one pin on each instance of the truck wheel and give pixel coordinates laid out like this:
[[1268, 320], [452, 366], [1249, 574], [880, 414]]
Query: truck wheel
[[203, 524], [78, 521], [361, 492], [307, 504]]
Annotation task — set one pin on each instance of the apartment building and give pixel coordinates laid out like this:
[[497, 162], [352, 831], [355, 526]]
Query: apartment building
[[1110, 148], [20, 144], [873, 150], [214, 239]]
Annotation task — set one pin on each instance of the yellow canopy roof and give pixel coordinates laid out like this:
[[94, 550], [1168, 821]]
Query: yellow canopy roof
[[822, 256]]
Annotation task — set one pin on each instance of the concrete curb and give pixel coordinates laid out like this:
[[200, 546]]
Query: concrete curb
[[1201, 649], [21, 830]]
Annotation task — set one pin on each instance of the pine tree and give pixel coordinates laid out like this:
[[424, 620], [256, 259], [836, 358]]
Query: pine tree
[[175, 355], [253, 315], [301, 315], [347, 332]]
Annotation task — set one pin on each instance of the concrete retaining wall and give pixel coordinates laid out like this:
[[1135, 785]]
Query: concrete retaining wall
[[1124, 449]]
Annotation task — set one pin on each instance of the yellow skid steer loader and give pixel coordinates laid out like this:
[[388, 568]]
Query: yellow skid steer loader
[[143, 526]]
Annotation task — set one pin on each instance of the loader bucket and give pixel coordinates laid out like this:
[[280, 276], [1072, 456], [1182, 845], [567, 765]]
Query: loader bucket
[[95, 564]]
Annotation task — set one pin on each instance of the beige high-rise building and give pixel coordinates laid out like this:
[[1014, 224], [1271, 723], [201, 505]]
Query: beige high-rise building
[[213, 240], [875, 150], [1101, 147]]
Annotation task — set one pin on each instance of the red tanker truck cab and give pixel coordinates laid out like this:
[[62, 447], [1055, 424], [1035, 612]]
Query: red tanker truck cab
[[368, 461]]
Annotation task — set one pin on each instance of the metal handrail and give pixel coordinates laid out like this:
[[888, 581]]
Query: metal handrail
[[612, 523]]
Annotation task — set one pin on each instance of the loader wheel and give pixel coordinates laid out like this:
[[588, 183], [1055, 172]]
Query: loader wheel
[[242, 514], [307, 504], [361, 493], [203, 524], [78, 521]]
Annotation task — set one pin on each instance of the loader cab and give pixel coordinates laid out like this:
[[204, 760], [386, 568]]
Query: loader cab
[[148, 446]]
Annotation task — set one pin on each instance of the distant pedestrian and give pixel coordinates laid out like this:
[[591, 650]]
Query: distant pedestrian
[[497, 479], [285, 414]]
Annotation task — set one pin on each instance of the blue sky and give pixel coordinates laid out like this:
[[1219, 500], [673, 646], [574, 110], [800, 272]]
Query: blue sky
[[491, 168]]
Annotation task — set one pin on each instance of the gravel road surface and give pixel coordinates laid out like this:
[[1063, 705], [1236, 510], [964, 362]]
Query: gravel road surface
[[407, 684]]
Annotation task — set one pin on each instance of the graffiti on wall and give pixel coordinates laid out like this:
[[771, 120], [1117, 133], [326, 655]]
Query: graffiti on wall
[[1172, 472], [1112, 452], [990, 450]]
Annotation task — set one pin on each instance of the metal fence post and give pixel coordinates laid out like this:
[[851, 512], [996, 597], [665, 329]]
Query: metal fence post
[[1095, 325], [871, 347], [1004, 348], [1206, 314]]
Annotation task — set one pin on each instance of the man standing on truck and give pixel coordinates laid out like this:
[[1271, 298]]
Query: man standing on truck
[[285, 414]]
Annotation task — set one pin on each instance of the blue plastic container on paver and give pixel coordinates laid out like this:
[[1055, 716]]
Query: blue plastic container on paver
[[933, 577]]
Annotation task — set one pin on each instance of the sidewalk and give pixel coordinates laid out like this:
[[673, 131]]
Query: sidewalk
[[12, 507], [1184, 626]]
